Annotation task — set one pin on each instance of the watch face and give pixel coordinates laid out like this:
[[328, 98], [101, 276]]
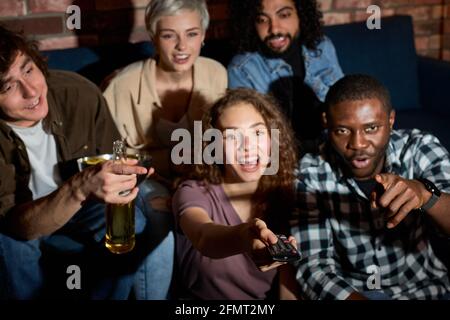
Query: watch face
[[430, 186], [435, 193]]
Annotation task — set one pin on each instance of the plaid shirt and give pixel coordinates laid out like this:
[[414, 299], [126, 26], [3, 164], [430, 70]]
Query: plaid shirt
[[343, 239]]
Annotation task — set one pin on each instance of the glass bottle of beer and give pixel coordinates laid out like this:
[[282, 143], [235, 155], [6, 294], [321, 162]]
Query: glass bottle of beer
[[120, 230]]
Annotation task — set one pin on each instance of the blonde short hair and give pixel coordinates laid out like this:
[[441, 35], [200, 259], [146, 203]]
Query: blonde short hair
[[160, 8]]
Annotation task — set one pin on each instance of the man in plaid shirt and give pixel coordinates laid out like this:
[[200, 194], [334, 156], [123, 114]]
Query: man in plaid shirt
[[369, 201]]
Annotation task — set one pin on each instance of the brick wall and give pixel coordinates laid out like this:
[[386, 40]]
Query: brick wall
[[431, 19], [102, 21], [107, 21]]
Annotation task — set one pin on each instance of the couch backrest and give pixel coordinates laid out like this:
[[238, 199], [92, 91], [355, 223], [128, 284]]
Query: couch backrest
[[95, 63], [388, 54]]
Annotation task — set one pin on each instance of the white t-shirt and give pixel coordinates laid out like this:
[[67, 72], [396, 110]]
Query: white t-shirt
[[42, 153]]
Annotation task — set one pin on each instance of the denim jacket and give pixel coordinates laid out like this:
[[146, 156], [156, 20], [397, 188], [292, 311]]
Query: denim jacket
[[252, 70]]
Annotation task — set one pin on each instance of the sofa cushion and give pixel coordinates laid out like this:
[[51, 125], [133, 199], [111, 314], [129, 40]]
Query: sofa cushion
[[434, 77], [387, 54]]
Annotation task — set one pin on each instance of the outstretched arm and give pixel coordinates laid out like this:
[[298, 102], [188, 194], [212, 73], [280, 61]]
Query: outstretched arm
[[219, 241]]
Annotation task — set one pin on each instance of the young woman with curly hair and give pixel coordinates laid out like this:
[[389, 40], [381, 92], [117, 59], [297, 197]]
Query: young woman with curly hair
[[224, 210]]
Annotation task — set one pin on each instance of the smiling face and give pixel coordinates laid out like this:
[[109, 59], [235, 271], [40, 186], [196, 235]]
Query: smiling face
[[23, 97], [178, 40], [246, 143], [359, 131], [277, 24]]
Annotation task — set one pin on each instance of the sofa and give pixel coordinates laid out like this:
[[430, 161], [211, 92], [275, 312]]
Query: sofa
[[419, 86]]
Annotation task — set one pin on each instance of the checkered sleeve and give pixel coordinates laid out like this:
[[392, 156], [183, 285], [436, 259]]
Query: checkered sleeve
[[318, 271], [432, 161]]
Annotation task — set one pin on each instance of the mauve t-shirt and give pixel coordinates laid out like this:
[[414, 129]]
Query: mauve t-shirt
[[231, 278]]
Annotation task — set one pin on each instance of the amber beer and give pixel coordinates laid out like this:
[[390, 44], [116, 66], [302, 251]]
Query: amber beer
[[120, 237], [120, 233]]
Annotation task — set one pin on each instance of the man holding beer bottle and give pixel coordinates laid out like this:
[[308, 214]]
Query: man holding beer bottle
[[48, 118]]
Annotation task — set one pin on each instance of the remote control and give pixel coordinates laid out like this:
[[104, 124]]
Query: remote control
[[283, 250]]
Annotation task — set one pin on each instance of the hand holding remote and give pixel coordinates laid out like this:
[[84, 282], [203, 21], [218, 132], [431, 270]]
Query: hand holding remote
[[262, 239], [284, 250]]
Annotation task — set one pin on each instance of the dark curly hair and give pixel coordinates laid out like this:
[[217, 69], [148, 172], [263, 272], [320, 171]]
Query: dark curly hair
[[275, 193], [243, 15], [11, 44]]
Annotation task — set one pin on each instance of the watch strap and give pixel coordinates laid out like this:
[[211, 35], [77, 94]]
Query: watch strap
[[431, 202], [435, 193]]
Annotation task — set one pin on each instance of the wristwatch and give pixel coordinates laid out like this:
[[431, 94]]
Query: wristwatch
[[435, 193]]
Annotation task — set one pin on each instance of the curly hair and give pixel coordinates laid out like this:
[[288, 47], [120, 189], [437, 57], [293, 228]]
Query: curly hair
[[13, 43], [243, 15], [275, 193]]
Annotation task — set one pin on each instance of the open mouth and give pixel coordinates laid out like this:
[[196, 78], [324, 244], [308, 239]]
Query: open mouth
[[360, 162], [34, 104], [180, 58], [250, 164], [278, 42]]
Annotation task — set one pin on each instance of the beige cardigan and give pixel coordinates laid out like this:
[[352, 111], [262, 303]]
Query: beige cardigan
[[134, 103]]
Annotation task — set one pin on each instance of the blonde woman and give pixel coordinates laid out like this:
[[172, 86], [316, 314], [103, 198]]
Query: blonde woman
[[151, 98]]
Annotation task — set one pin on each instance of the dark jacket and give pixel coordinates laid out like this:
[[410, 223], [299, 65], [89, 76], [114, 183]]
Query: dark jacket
[[81, 123]]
